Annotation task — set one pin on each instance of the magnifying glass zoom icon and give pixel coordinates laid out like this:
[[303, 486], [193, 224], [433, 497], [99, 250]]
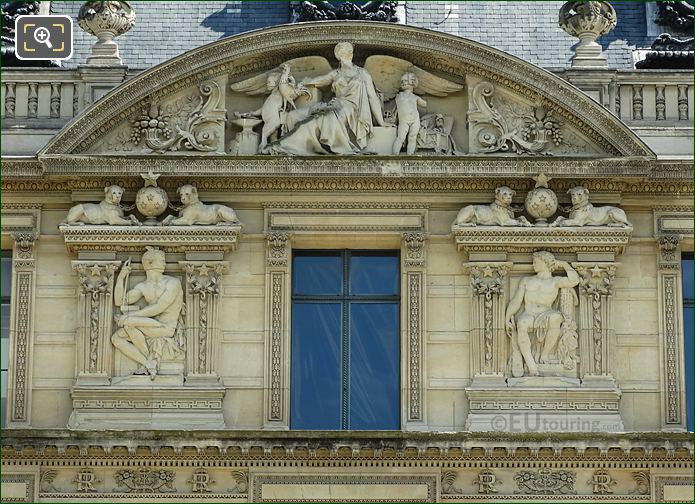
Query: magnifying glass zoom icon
[[43, 36]]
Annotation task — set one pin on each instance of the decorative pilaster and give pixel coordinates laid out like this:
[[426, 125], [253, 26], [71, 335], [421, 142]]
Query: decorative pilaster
[[95, 316], [22, 328], [488, 339], [596, 318], [203, 280], [671, 330], [277, 331], [413, 333]]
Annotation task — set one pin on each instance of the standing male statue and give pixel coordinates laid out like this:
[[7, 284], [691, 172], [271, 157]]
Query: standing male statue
[[544, 332], [147, 334]]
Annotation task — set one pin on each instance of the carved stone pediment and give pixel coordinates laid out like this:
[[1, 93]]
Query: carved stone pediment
[[560, 240], [200, 103], [135, 238]]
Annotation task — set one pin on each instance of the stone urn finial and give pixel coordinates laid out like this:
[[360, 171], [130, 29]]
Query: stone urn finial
[[106, 20], [541, 202], [588, 21]]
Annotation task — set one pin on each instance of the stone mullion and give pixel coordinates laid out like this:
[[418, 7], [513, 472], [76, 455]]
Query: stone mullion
[[488, 339], [671, 331], [413, 331], [21, 329], [95, 317], [277, 332], [596, 329], [203, 280]]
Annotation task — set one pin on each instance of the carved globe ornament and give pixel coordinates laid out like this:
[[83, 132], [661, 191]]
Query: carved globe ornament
[[588, 21], [541, 202], [151, 200]]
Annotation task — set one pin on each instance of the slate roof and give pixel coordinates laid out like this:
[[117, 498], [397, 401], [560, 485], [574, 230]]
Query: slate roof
[[526, 29]]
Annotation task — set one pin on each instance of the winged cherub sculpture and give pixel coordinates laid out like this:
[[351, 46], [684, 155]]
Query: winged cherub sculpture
[[345, 121]]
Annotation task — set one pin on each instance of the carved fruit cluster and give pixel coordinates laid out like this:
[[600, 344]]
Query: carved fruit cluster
[[151, 122]]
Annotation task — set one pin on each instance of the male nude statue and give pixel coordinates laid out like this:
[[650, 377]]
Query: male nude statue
[[538, 320], [145, 332]]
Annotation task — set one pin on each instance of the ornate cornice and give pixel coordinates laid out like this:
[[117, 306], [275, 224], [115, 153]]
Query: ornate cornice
[[531, 239], [256, 51], [664, 446], [355, 183], [135, 238]]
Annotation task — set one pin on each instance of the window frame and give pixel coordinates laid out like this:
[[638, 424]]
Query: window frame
[[346, 299], [6, 299]]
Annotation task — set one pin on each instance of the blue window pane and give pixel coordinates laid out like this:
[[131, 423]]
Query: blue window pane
[[317, 275], [688, 278], [688, 329], [6, 275], [374, 274], [374, 366], [316, 363], [5, 321]]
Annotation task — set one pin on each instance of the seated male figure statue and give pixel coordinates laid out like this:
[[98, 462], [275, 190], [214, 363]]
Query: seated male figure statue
[[146, 332], [537, 332]]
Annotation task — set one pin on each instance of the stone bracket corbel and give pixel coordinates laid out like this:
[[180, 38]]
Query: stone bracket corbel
[[203, 280], [95, 315], [488, 339]]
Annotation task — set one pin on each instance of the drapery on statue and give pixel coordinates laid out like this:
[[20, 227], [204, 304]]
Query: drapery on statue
[[544, 332], [345, 123], [148, 334]]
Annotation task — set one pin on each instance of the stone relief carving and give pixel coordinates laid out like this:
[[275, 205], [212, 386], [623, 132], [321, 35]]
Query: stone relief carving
[[194, 212], [155, 332], [283, 90], [109, 211], [353, 120], [544, 334], [151, 200], [596, 285], [200, 481], [583, 213], [488, 283], [497, 213], [242, 482], [144, 480], [541, 201], [203, 288], [183, 124], [448, 479], [96, 285], [503, 127], [46, 480], [545, 482], [85, 480], [486, 482], [318, 10], [602, 483], [642, 483]]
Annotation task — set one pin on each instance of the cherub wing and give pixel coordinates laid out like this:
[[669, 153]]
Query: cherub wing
[[386, 71], [308, 66]]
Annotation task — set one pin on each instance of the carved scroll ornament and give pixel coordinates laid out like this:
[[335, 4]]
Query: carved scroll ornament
[[182, 125], [530, 131]]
